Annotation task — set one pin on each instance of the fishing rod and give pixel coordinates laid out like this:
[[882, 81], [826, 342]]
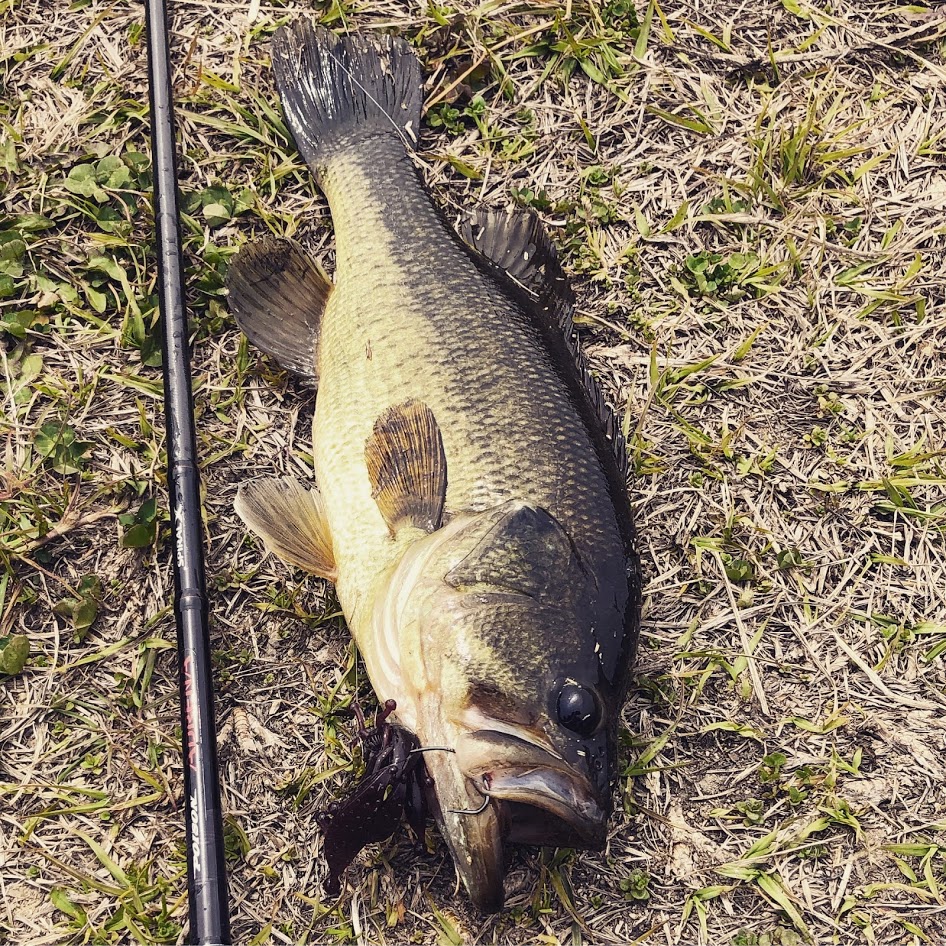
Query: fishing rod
[[206, 868]]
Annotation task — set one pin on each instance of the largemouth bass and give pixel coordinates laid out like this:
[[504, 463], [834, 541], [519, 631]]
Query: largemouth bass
[[470, 502]]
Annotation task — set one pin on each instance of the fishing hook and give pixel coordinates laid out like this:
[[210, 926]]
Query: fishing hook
[[471, 811], [482, 808]]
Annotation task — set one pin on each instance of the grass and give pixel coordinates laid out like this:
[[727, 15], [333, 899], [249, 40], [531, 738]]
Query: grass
[[752, 202]]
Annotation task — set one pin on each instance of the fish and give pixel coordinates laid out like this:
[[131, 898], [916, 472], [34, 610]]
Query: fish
[[469, 497]]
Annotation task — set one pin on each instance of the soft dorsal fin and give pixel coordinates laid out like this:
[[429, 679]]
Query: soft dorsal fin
[[290, 520], [407, 467], [516, 241], [277, 295]]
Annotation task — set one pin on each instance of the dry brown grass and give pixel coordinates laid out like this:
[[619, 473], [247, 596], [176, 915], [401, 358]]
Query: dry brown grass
[[784, 745]]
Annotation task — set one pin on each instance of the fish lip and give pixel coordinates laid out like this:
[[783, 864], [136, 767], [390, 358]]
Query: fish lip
[[475, 840], [539, 779], [482, 864], [581, 819]]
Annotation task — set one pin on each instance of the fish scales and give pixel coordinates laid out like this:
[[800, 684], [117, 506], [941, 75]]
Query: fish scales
[[415, 317]]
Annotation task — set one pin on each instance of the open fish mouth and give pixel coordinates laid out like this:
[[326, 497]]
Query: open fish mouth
[[546, 808], [542, 799], [507, 784]]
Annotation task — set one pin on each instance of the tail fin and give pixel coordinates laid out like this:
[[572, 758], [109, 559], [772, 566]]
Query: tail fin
[[335, 90]]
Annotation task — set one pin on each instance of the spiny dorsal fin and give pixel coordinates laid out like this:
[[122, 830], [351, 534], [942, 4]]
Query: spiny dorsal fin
[[610, 423], [516, 241], [407, 467], [290, 520], [277, 295]]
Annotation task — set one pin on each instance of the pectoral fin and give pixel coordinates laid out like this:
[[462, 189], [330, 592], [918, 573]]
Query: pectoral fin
[[277, 295], [407, 467], [290, 520]]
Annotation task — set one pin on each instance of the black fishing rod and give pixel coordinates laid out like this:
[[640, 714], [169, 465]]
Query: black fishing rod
[[206, 869]]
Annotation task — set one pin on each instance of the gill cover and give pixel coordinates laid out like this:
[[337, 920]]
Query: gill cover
[[526, 551]]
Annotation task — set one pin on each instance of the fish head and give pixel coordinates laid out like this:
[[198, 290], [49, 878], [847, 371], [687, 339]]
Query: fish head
[[498, 655], [531, 719]]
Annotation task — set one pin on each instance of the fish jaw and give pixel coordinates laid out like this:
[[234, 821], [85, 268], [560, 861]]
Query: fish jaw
[[506, 784], [474, 831]]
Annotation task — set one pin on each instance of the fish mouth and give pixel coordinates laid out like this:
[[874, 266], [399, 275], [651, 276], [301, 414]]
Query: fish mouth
[[507, 784], [528, 800], [541, 798]]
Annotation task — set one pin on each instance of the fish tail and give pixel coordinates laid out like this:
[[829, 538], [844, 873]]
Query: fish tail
[[338, 90]]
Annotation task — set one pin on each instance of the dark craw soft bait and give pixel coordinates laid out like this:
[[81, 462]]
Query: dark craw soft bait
[[392, 786]]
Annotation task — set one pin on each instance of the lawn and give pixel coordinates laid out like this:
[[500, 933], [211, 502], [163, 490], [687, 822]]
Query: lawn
[[751, 201]]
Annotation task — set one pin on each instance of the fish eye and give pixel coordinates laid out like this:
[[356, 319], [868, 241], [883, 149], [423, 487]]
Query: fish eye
[[578, 709]]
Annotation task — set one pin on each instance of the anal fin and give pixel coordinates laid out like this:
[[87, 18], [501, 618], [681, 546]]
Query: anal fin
[[290, 520], [277, 295], [407, 467]]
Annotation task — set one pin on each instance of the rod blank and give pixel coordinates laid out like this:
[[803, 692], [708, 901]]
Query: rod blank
[[206, 867]]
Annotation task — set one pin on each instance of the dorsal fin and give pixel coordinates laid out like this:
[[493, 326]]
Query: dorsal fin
[[277, 295], [407, 467], [516, 241]]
